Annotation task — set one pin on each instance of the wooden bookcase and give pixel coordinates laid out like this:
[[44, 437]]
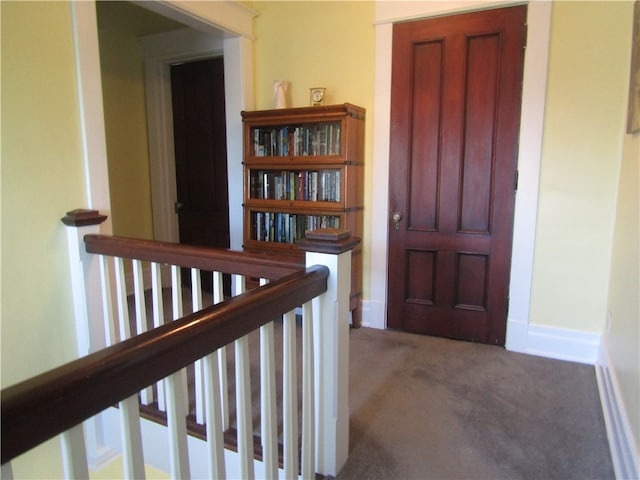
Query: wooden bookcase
[[304, 170]]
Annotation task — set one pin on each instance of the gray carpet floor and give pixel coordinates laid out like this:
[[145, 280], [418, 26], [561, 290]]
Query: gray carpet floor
[[432, 408]]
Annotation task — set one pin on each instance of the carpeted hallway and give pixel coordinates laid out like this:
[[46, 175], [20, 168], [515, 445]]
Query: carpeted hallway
[[433, 408]]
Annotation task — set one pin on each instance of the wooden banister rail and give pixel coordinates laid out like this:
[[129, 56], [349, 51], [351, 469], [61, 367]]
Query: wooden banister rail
[[39, 408], [226, 261]]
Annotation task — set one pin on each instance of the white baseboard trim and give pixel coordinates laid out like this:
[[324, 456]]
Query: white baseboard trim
[[374, 314], [517, 333], [624, 451], [570, 345], [551, 342]]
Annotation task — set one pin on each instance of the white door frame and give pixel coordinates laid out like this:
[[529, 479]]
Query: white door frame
[[531, 129], [228, 20]]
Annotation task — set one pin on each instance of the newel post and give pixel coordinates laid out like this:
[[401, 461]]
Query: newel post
[[331, 247], [87, 305], [85, 279]]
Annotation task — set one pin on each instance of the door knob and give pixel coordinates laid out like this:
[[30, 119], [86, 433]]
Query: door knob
[[396, 217], [178, 206]]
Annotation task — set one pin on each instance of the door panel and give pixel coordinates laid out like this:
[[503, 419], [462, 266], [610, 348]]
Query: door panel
[[456, 88], [423, 186], [480, 112]]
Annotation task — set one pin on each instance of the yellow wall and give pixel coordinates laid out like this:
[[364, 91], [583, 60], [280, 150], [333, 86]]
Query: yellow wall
[[585, 113], [42, 178], [623, 335], [120, 24], [315, 44], [319, 44]]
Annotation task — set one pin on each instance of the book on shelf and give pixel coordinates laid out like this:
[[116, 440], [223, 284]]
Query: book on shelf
[[301, 140], [305, 185], [283, 227]]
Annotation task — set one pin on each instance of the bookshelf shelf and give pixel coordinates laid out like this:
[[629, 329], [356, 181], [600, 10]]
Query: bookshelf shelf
[[304, 170]]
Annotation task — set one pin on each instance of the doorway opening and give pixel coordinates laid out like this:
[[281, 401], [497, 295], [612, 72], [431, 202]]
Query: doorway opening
[[137, 49]]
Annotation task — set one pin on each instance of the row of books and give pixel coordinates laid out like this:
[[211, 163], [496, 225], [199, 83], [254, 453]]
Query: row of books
[[289, 227], [308, 185], [315, 139]]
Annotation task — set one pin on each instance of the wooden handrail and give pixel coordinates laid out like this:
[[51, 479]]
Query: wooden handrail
[[221, 260], [39, 408]]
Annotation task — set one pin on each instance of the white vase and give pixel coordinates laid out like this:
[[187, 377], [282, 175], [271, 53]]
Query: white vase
[[280, 94]]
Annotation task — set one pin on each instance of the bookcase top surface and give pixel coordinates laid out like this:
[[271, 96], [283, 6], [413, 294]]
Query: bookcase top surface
[[313, 113]]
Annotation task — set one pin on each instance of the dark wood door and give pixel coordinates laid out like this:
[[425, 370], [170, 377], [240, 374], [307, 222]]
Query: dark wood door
[[455, 111], [201, 153]]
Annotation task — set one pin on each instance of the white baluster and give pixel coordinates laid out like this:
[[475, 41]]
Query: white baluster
[[218, 296], [158, 320], [243, 399], [308, 400], [178, 453], [213, 395], [96, 443], [107, 303], [121, 296], [146, 396], [177, 396], [289, 396], [196, 300], [132, 455], [178, 312], [215, 439], [74, 453], [268, 415], [176, 292]]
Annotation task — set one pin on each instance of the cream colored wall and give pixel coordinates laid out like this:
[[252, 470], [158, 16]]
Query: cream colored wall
[[319, 44], [119, 25], [42, 178], [311, 44], [623, 335], [585, 111]]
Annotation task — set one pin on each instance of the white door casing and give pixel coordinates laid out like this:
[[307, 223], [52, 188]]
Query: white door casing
[[231, 25], [531, 129]]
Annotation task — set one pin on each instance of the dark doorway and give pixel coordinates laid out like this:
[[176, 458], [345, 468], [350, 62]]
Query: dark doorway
[[199, 124], [455, 112]]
